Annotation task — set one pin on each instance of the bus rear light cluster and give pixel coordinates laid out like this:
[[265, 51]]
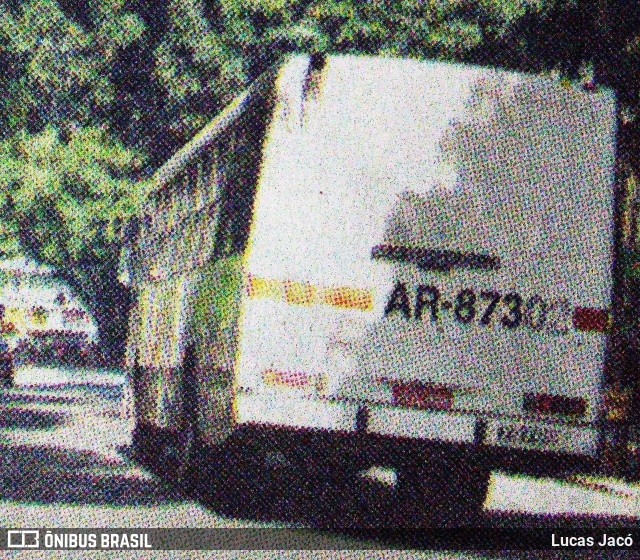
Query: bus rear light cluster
[[422, 395], [590, 319], [292, 379], [554, 404]]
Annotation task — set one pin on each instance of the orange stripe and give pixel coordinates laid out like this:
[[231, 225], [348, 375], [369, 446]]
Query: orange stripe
[[288, 378], [298, 293], [261, 288], [350, 298]]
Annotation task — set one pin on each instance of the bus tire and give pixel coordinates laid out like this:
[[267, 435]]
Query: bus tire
[[267, 476], [241, 481], [448, 492], [188, 449], [335, 501], [463, 500]]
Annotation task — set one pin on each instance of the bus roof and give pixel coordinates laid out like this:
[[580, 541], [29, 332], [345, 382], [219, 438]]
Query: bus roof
[[207, 135], [211, 131], [204, 138]]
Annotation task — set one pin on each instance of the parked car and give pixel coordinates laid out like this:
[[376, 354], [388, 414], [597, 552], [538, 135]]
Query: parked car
[[58, 347]]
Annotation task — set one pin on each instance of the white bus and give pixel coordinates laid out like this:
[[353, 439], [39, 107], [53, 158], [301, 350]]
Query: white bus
[[370, 261]]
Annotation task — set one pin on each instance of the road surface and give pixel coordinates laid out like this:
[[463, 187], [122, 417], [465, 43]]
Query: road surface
[[64, 462]]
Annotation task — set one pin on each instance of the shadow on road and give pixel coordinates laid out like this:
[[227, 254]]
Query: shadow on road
[[33, 473], [45, 475], [348, 512], [37, 398], [345, 508], [283, 492], [12, 418]]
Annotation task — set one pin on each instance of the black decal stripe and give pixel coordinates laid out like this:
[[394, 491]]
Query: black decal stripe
[[435, 259]]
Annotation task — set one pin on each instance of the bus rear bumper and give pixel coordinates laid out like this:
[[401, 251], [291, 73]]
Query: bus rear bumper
[[315, 414], [296, 412], [277, 410], [339, 432], [387, 430]]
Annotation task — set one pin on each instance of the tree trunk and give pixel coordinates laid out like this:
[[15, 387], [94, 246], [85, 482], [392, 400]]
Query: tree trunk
[[108, 302], [111, 314]]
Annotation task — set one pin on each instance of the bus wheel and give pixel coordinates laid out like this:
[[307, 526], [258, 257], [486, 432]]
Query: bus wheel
[[448, 492], [246, 481], [173, 458], [269, 477], [188, 451], [332, 490]]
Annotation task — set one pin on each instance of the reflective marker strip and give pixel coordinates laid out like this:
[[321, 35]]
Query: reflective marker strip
[[348, 298], [298, 293], [286, 378], [543, 403], [422, 395], [590, 319]]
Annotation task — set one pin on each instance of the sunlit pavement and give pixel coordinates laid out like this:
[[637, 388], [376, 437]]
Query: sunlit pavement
[[70, 438], [580, 495], [42, 377], [63, 463]]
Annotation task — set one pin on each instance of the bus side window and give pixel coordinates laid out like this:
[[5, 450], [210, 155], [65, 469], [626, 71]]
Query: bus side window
[[129, 253], [635, 211], [223, 235], [238, 176], [193, 186], [146, 233], [200, 186]]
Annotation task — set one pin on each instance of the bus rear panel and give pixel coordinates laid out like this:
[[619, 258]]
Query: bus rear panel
[[431, 247]]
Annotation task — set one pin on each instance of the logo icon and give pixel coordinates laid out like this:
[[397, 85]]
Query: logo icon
[[23, 539]]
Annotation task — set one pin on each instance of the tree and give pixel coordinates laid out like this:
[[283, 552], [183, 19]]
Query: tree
[[195, 74], [65, 202], [65, 183]]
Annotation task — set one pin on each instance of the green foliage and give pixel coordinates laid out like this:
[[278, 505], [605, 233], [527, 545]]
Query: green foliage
[[63, 69], [67, 198], [193, 67], [443, 28]]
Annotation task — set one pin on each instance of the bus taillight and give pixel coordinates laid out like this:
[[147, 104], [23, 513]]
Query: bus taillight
[[590, 319], [554, 404], [422, 395]]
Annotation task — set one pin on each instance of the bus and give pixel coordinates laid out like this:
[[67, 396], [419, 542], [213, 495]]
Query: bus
[[367, 261]]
